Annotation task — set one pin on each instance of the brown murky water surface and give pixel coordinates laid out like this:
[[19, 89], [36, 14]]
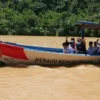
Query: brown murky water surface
[[46, 83]]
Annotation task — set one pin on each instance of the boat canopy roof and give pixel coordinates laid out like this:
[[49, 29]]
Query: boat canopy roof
[[88, 24]]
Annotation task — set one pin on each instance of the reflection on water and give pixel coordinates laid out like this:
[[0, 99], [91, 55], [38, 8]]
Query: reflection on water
[[48, 83]]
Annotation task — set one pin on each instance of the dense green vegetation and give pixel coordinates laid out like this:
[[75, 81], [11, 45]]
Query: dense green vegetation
[[47, 17]]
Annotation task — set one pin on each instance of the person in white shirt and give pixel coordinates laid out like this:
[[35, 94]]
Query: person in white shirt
[[90, 49], [67, 48], [64, 47], [95, 48], [98, 52]]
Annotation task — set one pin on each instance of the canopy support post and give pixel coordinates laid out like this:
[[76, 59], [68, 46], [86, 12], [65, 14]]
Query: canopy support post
[[82, 34]]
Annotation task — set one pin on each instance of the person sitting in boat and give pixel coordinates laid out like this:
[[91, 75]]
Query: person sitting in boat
[[67, 48], [90, 49], [95, 48], [98, 52], [81, 46], [64, 47]]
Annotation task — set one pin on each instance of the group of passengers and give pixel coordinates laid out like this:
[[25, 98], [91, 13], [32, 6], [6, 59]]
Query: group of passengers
[[80, 46]]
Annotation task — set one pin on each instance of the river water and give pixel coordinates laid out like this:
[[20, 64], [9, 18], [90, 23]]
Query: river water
[[48, 83]]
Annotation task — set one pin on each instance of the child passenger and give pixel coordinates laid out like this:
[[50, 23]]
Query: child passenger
[[67, 48]]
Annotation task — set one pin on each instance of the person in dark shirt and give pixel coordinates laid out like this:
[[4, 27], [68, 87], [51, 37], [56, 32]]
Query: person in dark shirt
[[78, 44], [81, 46]]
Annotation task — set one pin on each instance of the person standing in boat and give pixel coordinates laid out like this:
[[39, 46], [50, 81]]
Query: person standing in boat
[[67, 48], [78, 44], [81, 46]]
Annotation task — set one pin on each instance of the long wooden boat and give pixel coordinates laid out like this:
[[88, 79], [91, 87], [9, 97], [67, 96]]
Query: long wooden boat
[[22, 54], [12, 53]]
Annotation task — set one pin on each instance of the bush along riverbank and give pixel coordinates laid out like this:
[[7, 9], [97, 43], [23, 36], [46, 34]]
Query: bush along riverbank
[[47, 17]]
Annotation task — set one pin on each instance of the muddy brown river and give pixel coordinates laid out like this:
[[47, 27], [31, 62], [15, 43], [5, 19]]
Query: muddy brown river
[[48, 83]]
